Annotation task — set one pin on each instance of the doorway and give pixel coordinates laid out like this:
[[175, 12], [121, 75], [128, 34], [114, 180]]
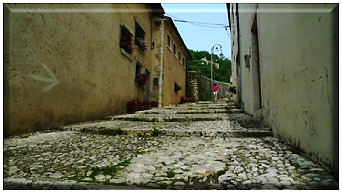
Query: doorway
[[147, 86], [256, 65]]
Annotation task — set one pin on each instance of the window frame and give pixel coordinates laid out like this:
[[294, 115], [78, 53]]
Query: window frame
[[168, 42], [140, 37]]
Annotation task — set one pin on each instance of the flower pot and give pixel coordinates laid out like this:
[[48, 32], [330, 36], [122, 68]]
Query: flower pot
[[154, 104], [131, 107]]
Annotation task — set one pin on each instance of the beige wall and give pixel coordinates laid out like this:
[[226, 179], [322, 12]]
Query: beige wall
[[78, 44], [174, 70], [165, 61], [299, 69], [235, 50]]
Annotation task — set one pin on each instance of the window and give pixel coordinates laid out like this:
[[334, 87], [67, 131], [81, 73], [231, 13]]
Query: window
[[174, 48], [168, 41], [140, 37], [177, 87], [138, 68], [126, 40], [140, 77], [155, 84], [179, 56], [183, 62]]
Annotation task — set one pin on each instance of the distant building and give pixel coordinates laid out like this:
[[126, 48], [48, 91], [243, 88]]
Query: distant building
[[285, 67], [68, 63], [170, 57], [205, 60]]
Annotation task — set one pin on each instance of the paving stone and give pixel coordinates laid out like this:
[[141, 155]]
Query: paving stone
[[204, 153]]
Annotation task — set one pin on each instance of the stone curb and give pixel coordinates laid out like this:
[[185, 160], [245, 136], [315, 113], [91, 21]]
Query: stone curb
[[26, 184], [203, 133]]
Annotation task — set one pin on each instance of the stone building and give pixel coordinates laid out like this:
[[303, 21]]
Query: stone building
[[68, 63], [285, 66]]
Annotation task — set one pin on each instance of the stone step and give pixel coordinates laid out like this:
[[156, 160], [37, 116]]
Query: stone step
[[192, 111], [181, 117], [167, 119], [200, 107], [203, 133], [264, 132]]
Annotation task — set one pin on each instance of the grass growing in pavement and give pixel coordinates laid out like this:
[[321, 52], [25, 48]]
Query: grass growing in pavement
[[104, 131], [109, 170], [111, 132], [155, 132], [170, 174]]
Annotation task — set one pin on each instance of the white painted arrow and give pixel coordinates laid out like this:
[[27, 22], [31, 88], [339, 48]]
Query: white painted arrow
[[52, 80]]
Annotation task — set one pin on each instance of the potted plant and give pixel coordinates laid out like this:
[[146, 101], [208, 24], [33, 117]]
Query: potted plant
[[126, 44], [141, 79], [232, 89], [141, 43]]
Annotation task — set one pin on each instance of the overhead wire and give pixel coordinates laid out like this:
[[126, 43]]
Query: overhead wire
[[202, 24]]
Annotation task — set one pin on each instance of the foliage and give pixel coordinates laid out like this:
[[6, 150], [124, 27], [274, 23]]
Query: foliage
[[170, 174], [155, 132], [232, 89], [197, 64], [109, 170], [204, 97]]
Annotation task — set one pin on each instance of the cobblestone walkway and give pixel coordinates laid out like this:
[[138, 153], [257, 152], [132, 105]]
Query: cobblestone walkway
[[189, 146]]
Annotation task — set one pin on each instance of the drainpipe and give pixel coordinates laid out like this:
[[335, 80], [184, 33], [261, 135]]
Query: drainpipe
[[239, 47], [160, 82]]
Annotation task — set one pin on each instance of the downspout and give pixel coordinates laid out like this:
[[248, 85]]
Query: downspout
[[238, 39], [160, 82]]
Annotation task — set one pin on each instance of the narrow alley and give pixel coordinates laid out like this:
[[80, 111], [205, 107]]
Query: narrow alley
[[201, 145]]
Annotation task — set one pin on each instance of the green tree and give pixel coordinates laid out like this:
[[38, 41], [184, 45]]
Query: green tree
[[197, 64]]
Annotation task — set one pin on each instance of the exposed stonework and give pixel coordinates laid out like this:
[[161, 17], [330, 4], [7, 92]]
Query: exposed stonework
[[199, 86], [169, 148]]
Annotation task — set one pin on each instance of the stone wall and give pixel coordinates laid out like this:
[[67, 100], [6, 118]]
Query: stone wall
[[199, 86]]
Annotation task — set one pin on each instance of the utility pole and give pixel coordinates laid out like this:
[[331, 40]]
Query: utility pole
[[216, 47]]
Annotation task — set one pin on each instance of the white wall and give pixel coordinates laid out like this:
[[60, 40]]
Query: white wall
[[298, 46]]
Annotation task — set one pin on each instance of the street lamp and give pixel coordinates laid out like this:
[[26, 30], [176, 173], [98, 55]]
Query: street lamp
[[216, 47]]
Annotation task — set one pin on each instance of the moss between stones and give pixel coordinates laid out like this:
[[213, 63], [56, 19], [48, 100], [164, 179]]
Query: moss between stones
[[104, 131], [105, 170], [111, 170], [111, 132], [170, 174]]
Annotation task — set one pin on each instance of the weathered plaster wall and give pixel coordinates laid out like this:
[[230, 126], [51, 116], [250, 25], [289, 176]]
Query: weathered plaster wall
[[174, 71], [245, 22], [298, 46], [235, 50], [78, 44]]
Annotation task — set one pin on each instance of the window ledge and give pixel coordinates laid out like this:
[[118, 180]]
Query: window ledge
[[140, 50], [126, 54]]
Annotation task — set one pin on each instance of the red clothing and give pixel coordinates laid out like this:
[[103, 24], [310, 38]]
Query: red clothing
[[215, 88]]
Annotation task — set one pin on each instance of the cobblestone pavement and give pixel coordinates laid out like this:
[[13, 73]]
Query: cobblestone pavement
[[189, 146]]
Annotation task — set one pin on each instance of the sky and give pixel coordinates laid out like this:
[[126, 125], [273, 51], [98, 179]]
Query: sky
[[197, 37]]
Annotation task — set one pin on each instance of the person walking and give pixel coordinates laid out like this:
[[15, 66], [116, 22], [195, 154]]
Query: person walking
[[215, 90]]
